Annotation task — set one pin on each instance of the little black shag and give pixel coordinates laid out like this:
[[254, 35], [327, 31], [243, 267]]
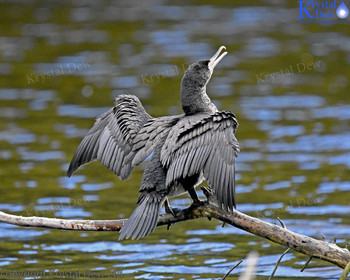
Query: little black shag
[[197, 145]]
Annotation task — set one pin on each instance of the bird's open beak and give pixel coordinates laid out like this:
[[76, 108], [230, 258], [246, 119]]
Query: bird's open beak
[[217, 57]]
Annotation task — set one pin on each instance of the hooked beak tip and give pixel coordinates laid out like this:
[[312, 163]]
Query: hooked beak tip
[[217, 57]]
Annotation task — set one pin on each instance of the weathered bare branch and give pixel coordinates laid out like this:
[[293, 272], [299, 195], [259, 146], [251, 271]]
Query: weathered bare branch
[[306, 245], [43, 222]]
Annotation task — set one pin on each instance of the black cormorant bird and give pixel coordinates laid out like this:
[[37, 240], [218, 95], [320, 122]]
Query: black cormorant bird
[[199, 144]]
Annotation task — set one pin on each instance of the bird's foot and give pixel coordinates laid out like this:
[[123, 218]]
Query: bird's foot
[[197, 203], [211, 199], [171, 210], [207, 192]]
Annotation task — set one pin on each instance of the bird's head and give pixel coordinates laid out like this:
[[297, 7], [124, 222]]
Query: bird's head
[[194, 98], [198, 74]]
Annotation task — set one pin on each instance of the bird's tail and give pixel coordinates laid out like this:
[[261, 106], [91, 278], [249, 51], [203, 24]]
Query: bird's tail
[[144, 219]]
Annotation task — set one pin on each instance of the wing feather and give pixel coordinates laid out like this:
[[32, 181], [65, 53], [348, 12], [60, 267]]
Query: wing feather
[[122, 137], [204, 143], [110, 139]]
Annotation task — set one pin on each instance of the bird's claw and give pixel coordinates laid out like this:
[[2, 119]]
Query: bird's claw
[[197, 203], [171, 210], [207, 192]]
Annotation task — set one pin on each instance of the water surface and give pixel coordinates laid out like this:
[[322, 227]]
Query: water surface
[[61, 65]]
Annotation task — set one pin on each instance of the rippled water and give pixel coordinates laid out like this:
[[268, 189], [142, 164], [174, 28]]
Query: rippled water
[[61, 65]]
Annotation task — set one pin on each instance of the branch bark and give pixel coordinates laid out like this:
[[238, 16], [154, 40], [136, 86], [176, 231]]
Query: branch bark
[[329, 252]]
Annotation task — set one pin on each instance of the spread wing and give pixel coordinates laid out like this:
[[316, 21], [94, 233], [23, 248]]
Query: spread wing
[[110, 140], [149, 136], [208, 145]]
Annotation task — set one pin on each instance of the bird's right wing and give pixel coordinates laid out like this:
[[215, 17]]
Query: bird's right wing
[[204, 143], [110, 140]]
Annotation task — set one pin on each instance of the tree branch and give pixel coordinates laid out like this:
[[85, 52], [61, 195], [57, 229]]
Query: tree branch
[[324, 250]]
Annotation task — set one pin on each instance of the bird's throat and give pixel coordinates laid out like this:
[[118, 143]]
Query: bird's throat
[[196, 101]]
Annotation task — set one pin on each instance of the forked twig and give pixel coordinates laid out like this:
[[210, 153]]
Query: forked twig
[[282, 223], [306, 264], [228, 273], [278, 262], [345, 272]]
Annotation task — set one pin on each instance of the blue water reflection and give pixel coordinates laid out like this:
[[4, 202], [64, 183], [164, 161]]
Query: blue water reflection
[[337, 112], [10, 232], [16, 138], [314, 143], [71, 183], [40, 156], [329, 187], [80, 112]]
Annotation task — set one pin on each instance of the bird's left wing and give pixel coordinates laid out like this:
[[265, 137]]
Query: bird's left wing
[[207, 144], [110, 140]]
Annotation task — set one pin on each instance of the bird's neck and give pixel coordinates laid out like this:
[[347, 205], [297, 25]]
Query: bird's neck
[[195, 100]]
